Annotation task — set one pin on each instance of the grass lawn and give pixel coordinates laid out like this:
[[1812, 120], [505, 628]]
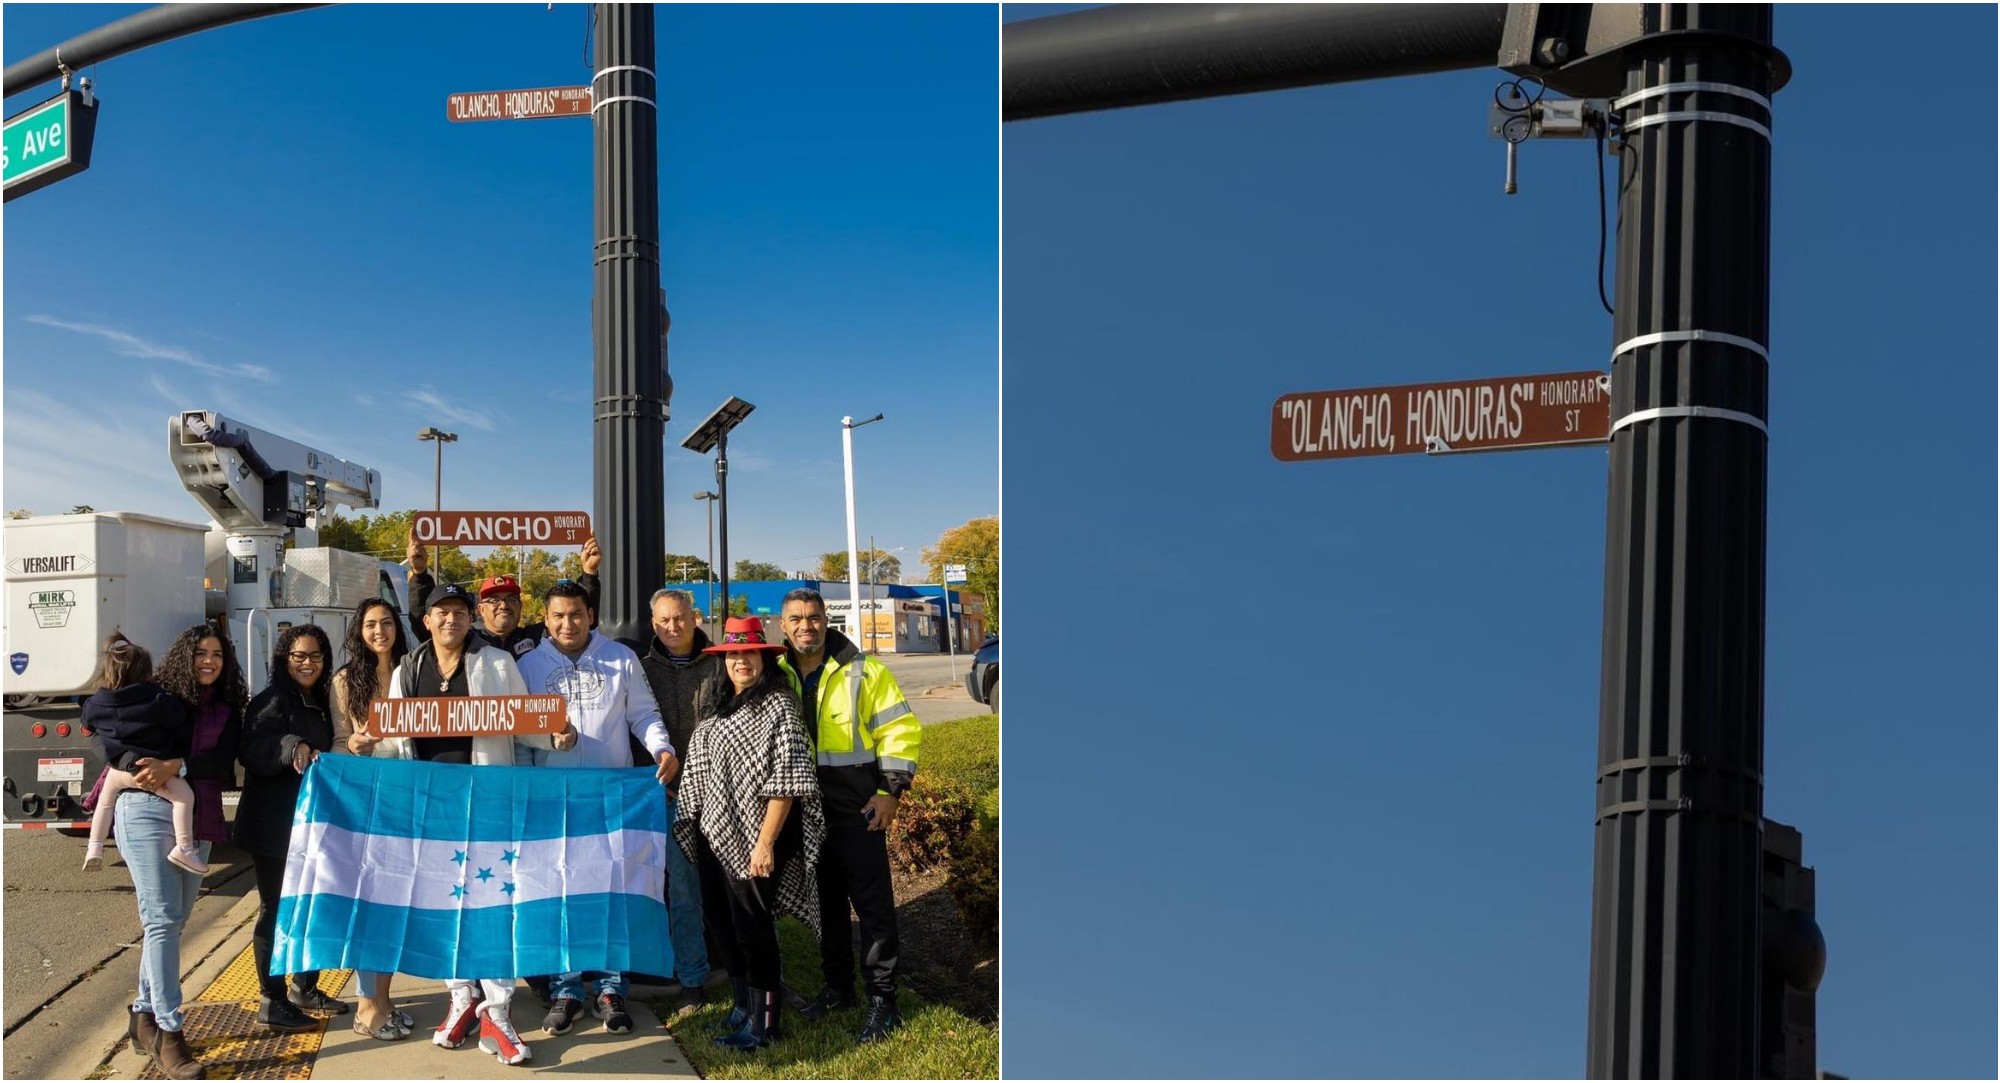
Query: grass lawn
[[935, 1042]]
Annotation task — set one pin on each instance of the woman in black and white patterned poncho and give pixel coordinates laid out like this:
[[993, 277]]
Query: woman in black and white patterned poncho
[[751, 821]]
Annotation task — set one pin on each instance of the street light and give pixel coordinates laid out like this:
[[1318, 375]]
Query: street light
[[847, 427], [710, 499], [441, 438], [713, 433]]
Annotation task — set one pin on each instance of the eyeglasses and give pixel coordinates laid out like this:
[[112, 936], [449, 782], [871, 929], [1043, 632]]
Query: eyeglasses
[[303, 657]]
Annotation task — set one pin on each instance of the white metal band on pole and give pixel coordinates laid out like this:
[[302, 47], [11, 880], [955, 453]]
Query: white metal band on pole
[[1696, 115], [595, 106], [1715, 412], [1685, 88], [1658, 337], [602, 72]]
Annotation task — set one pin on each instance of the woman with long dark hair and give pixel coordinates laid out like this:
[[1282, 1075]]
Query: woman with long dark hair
[[200, 670], [291, 723], [375, 644], [751, 821]]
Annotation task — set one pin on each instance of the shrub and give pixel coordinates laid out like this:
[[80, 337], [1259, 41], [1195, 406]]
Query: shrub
[[975, 883], [932, 821]]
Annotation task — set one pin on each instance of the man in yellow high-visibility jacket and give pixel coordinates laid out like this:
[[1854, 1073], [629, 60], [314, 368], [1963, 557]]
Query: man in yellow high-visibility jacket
[[865, 738]]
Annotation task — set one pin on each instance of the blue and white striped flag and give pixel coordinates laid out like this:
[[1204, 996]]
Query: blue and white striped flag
[[454, 871]]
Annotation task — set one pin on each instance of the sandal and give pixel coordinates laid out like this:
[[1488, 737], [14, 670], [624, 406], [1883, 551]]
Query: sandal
[[387, 1032], [403, 1019]]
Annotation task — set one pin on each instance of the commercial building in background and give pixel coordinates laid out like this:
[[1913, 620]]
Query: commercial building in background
[[897, 618]]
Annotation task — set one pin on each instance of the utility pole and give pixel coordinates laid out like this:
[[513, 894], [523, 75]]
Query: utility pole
[[629, 421], [1675, 951]]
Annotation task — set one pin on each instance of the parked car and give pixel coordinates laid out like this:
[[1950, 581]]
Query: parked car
[[982, 681]]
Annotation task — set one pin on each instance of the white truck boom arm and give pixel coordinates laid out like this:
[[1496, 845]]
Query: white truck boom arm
[[247, 478]]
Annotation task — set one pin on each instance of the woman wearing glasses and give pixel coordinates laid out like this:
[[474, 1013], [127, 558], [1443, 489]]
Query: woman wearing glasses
[[290, 725]]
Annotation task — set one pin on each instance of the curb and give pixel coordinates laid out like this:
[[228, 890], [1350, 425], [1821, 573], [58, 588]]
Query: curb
[[210, 950]]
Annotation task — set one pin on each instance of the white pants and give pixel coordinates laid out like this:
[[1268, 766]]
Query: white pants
[[499, 992]]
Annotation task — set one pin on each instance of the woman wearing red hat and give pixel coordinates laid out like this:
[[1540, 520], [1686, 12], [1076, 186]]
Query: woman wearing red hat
[[750, 819]]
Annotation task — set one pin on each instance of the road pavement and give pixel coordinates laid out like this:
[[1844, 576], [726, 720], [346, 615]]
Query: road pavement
[[928, 682], [71, 948]]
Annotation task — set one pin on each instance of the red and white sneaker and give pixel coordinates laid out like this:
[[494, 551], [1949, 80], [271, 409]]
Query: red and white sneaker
[[459, 1018], [498, 1037]]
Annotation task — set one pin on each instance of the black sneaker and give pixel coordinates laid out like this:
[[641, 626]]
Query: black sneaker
[[561, 1014], [610, 1007], [828, 1001], [281, 1014], [313, 1000], [880, 1019]]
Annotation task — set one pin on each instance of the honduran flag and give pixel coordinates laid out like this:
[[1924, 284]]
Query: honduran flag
[[457, 871]]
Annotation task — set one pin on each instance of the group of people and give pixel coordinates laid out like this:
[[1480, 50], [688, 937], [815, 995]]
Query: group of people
[[796, 751]]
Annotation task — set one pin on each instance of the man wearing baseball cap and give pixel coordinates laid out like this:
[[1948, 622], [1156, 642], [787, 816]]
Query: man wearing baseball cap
[[499, 608], [454, 662]]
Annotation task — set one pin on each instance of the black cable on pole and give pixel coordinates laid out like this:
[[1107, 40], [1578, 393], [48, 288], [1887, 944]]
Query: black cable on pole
[[149, 27], [1603, 298]]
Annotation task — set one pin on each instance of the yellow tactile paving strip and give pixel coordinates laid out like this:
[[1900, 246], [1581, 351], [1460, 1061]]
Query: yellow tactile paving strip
[[221, 1025]]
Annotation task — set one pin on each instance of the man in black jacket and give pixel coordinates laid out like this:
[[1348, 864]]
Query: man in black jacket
[[499, 602], [676, 669]]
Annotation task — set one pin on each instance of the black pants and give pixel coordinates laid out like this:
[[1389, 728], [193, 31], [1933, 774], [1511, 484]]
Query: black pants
[[270, 885], [854, 866], [742, 916]]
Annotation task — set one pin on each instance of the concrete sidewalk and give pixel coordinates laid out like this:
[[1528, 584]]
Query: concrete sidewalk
[[587, 1052], [222, 1029]]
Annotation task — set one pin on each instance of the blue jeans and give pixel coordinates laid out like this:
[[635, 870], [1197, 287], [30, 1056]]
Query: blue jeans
[[684, 915], [166, 897], [571, 985]]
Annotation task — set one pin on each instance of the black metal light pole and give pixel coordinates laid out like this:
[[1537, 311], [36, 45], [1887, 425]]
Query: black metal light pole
[[629, 421], [713, 435], [1674, 958]]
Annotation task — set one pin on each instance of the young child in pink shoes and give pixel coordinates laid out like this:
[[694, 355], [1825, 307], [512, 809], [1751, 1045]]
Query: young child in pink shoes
[[137, 720]]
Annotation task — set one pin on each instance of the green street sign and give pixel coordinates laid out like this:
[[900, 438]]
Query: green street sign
[[48, 142]]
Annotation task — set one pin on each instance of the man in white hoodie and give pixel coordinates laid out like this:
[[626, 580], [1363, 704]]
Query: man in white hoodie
[[457, 663], [610, 704]]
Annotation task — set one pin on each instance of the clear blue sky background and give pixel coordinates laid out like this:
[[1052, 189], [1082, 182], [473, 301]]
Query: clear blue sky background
[[281, 224], [1299, 779]]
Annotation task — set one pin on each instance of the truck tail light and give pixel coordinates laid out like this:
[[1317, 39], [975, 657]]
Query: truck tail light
[[62, 729], [39, 730], [86, 729]]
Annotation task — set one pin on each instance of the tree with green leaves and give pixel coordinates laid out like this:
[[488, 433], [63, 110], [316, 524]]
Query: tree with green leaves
[[977, 546], [750, 571], [685, 568], [888, 567]]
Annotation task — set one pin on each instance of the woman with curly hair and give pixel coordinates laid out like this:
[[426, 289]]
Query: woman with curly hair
[[750, 820], [375, 644], [290, 725], [200, 670]]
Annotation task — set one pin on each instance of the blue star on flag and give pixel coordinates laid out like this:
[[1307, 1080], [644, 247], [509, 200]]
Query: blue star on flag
[[457, 891], [510, 856], [508, 887], [459, 858], [485, 875]]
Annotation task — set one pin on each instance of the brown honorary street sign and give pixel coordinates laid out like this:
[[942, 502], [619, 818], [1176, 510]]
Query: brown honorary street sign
[[1500, 414], [500, 527], [467, 716], [554, 101]]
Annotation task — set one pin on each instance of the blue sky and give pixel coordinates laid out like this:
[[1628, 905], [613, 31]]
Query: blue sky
[[1306, 788], [280, 223]]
